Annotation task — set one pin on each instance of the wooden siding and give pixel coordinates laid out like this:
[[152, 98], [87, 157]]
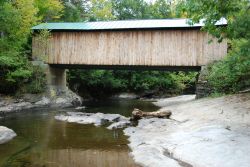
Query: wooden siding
[[143, 48]]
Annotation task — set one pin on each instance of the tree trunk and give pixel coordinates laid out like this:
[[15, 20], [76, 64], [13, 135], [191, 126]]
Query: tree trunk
[[138, 114]]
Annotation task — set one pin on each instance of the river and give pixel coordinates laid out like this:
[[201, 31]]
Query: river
[[43, 141]]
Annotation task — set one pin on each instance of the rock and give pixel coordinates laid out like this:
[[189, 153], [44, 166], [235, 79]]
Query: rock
[[16, 107], [43, 102], [67, 99], [97, 119], [198, 134], [80, 108], [126, 96], [74, 99], [28, 101], [203, 87], [62, 102], [6, 134], [174, 100], [2, 103], [120, 124], [32, 98]]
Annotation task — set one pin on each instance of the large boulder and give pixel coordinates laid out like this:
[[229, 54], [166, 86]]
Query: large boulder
[[6, 134]]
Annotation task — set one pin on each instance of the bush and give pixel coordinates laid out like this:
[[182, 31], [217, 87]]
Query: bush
[[36, 83], [232, 73], [102, 83]]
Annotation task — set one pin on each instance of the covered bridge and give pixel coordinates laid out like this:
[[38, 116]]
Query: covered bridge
[[148, 44], [134, 43]]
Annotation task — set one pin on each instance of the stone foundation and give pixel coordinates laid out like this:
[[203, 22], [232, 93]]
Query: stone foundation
[[202, 87]]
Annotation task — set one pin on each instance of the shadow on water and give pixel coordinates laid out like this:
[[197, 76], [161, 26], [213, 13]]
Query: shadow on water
[[43, 141], [123, 107]]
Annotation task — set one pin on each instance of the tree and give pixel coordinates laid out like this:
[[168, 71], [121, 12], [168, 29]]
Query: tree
[[49, 10], [233, 73], [100, 10], [16, 19], [75, 10], [160, 9], [130, 9], [213, 11]]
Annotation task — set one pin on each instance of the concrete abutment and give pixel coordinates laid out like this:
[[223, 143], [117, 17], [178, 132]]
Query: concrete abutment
[[56, 81]]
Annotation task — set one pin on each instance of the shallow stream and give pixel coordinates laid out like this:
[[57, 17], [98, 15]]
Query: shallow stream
[[43, 141]]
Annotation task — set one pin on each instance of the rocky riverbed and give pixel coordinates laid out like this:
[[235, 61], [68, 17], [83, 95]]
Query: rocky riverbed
[[209, 132]]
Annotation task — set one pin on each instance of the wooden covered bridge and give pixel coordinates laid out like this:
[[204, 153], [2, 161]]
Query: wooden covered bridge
[[149, 44]]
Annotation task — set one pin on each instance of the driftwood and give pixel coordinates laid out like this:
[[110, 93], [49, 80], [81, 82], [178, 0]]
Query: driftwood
[[138, 114]]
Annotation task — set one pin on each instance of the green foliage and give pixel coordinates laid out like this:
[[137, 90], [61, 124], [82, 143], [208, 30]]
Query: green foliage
[[160, 9], [16, 18], [100, 10], [234, 11], [99, 83], [43, 37], [73, 11], [36, 83], [130, 9], [140, 9], [49, 10], [13, 35], [232, 73]]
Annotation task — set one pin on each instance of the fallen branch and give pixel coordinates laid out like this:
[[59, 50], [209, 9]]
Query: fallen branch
[[139, 114]]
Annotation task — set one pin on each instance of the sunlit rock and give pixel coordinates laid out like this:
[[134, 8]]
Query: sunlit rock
[[97, 119], [43, 102], [120, 124], [126, 96], [80, 108], [208, 132], [6, 134], [16, 107], [174, 100]]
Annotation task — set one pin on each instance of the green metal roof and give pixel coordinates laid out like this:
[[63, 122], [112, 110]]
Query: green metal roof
[[122, 25]]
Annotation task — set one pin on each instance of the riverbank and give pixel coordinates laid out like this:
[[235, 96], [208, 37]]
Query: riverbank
[[206, 132], [10, 104]]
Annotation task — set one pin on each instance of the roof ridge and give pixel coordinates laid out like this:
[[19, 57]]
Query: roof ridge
[[122, 24], [132, 20]]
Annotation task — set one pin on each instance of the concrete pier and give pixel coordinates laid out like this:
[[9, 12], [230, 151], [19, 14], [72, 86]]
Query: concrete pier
[[56, 81]]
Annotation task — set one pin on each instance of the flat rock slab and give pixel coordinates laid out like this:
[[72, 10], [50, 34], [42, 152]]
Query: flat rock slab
[[6, 134], [174, 100], [208, 132], [97, 119]]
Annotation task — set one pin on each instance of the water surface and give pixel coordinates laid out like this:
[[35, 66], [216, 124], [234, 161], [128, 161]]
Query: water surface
[[43, 141]]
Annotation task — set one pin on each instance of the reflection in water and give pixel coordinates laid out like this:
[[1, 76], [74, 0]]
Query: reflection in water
[[88, 158], [44, 142]]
